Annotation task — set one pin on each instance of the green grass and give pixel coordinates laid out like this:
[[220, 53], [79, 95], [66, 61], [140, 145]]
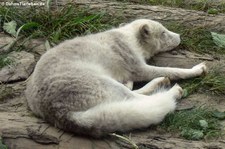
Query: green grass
[[69, 21], [53, 26], [194, 124], [4, 60], [2, 146], [195, 39], [200, 40], [201, 5], [212, 83], [57, 25]]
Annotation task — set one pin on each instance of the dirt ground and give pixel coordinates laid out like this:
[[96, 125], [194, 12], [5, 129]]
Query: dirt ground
[[20, 129]]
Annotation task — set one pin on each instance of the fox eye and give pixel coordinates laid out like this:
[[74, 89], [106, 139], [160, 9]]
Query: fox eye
[[163, 32]]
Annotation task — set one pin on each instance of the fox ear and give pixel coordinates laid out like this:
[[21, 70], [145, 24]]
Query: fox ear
[[145, 31]]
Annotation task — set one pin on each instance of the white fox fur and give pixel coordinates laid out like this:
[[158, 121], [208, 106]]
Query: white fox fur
[[78, 85]]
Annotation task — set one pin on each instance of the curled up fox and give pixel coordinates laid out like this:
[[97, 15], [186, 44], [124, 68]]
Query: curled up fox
[[84, 85]]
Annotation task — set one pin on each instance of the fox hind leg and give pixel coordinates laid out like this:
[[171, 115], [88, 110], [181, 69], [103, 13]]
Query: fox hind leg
[[154, 85], [176, 91], [127, 114]]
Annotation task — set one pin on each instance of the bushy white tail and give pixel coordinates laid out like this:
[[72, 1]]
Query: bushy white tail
[[127, 114]]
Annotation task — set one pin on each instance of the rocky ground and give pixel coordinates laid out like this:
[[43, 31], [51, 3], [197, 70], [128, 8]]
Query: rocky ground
[[20, 129]]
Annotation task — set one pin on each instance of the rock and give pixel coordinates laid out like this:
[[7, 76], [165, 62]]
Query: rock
[[36, 45], [6, 42], [22, 66], [4, 39], [19, 128]]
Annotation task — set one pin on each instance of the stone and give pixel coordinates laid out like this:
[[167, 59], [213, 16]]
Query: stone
[[5, 41], [36, 45], [22, 66]]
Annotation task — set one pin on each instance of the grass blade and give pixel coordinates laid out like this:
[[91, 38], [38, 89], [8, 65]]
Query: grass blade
[[134, 146], [48, 3], [26, 26]]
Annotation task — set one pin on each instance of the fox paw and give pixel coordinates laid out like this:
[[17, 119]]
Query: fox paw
[[200, 69], [176, 91], [162, 81]]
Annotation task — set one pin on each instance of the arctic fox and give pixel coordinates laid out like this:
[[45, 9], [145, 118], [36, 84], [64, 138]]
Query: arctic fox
[[78, 86]]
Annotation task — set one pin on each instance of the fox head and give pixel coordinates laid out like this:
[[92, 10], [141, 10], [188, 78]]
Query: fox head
[[153, 37]]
